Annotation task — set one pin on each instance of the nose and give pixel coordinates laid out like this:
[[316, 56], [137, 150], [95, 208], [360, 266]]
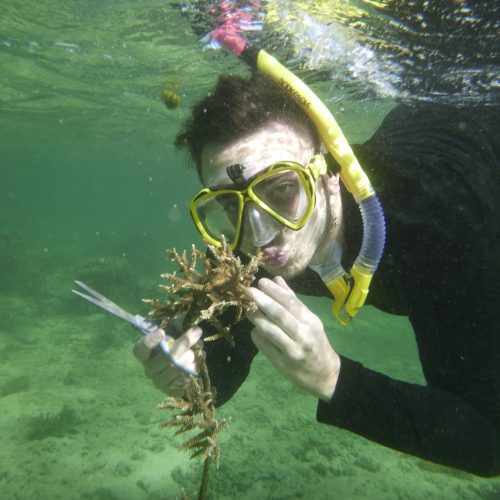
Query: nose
[[263, 226]]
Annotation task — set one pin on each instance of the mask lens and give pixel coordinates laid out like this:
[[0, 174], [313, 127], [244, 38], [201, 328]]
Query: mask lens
[[264, 228], [284, 193], [219, 215]]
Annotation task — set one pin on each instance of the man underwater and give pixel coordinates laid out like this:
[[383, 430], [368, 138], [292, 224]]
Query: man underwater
[[436, 171]]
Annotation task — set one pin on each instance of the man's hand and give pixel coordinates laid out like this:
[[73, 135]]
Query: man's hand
[[166, 377], [293, 338]]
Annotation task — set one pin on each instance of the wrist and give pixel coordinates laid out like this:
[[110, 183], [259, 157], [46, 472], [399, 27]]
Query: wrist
[[329, 381]]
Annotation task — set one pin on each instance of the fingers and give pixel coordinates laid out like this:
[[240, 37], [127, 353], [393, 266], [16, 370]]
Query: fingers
[[279, 291], [168, 376], [171, 382], [293, 338], [274, 335], [145, 347], [185, 342], [274, 312], [280, 304], [269, 350], [282, 283]]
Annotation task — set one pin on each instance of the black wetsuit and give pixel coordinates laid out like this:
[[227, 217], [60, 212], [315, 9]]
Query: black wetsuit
[[436, 170]]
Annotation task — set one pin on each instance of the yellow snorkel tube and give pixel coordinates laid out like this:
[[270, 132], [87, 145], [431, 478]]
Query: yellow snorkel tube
[[349, 289]]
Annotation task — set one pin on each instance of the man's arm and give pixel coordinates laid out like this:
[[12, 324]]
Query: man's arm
[[424, 421], [455, 419]]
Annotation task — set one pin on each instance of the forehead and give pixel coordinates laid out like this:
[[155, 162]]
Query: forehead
[[256, 151]]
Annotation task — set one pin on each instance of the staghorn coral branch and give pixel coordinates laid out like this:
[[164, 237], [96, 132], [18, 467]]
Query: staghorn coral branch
[[206, 294], [203, 289]]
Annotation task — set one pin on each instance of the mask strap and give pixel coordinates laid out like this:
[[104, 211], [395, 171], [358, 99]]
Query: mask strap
[[235, 173]]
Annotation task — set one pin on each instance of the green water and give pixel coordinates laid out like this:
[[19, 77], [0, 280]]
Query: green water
[[91, 187]]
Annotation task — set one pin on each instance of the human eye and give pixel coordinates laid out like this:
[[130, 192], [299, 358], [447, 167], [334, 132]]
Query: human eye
[[285, 189]]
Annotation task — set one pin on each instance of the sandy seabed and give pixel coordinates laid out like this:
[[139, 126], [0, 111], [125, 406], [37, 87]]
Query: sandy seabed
[[79, 420]]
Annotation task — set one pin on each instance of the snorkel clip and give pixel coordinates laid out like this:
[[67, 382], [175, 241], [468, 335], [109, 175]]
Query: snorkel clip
[[349, 291]]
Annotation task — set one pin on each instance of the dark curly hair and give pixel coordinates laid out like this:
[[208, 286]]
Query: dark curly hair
[[236, 107]]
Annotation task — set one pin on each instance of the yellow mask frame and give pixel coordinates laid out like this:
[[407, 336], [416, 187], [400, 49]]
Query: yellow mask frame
[[308, 175]]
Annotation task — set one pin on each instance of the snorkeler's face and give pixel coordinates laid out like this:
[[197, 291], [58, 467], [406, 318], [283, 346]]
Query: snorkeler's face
[[287, 252]]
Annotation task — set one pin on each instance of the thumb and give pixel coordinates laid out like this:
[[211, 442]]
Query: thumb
[[186, 341]]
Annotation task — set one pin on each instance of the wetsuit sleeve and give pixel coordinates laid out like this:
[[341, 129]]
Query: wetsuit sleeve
[[424, 421]]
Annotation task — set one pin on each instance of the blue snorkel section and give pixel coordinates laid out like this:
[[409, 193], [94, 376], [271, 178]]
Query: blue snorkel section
[[373, 243]]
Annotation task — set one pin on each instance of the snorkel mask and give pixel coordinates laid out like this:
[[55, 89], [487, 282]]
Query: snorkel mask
[[283, 195], [349, 289]]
